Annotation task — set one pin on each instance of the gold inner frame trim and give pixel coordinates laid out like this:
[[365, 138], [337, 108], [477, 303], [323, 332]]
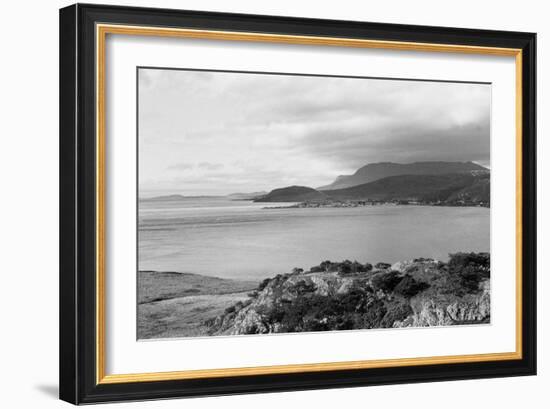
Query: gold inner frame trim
[[101, 33]]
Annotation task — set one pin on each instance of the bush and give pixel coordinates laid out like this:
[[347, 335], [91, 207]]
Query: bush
[[344, 268], [312, 312], [316, 269], [263, 284], [230, 309], [382, 266], [409, 287], [386, 281], [252, 329], [373, 316], [302, 287], [469, 269], [397, 312], [328, 266], [480, 261], [357, 267]]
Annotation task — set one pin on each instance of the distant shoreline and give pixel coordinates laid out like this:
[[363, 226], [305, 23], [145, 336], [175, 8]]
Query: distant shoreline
[[367, 203]]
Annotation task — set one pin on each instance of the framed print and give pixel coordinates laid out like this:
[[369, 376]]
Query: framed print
[[257, 203]]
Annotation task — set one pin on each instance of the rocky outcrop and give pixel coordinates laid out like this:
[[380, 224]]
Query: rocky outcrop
[[351, 295], [430, 312]]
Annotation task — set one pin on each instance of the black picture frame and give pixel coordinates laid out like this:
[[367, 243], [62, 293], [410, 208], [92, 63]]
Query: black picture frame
[[78, 312]]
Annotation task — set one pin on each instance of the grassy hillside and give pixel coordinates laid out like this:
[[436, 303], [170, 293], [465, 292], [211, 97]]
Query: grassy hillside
[[172, 304], [156, 286]]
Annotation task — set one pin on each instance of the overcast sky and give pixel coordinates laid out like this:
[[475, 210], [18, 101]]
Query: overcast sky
[[213, 133]]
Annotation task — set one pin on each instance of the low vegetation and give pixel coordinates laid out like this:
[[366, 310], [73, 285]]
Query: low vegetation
[[353, 295], [343, 268]]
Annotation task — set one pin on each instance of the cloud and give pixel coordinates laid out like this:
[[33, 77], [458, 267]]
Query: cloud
[[202, 165], [217, 132], [181, 166]]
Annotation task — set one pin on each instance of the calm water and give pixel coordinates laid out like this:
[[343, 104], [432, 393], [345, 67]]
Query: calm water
[[240, 239]]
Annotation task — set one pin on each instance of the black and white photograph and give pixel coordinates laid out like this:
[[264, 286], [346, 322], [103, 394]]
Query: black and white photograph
[[261, 199], [282, 203]]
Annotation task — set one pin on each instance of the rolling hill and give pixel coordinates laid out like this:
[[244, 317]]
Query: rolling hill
[[292, 194], [447, 188]]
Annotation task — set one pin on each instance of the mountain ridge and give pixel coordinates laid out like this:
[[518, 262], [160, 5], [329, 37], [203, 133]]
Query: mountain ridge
[[427, 182], [452, 188], [422, 188], [379, 170]]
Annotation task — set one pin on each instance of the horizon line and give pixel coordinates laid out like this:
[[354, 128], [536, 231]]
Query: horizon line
[[267, 190]]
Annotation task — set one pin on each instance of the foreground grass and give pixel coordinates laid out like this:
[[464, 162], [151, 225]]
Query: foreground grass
[[174, 304]]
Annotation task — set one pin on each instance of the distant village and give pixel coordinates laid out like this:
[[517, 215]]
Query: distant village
[[364, 203]]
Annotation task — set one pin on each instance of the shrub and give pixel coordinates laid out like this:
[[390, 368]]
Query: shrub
[[357, 267], [386, 281], [372, 317], [344, 268], [479, 260], [312, 312], [288, 315], [396, 312], [356, 300], [409, 287], [348, 267], [316, 269], [343, 322], [382, 266], [302, 287], [469, 269], [251, 329], [326, 265], [230, 309], [263, 284]]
